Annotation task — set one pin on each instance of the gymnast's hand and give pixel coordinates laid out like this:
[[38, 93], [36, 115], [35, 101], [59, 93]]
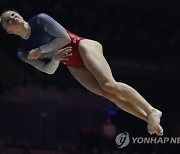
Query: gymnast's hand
[[34, 54], [63, 54]]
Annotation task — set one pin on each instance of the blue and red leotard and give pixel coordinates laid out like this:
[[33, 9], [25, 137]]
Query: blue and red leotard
[[48, 35]]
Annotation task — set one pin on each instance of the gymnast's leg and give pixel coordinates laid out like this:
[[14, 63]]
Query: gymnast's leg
[[92, 55], [86, 78]]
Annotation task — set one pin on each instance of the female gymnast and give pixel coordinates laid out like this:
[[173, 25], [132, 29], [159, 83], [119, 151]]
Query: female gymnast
[[44, 38]]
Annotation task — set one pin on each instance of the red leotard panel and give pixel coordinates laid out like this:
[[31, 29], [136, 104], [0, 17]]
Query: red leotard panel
[[75, 59]]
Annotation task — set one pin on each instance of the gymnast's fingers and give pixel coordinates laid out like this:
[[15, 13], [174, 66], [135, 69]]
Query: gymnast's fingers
[[66, 48], [29, 56], [64, 58], [65, 52]]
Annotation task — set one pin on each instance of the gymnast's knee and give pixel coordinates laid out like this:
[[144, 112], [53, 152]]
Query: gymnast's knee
[[106, 94], [109, 86]]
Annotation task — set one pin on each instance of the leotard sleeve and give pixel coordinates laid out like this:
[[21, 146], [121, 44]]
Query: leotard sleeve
[[39, 64], [53, 28]]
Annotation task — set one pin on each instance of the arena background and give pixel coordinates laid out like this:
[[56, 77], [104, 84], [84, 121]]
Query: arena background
[[141, 44]]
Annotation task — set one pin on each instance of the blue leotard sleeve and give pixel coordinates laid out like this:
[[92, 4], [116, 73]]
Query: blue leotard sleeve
[[41, 65], [53, 28]]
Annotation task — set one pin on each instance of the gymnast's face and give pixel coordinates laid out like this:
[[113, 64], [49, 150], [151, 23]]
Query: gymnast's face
[[12, 22]]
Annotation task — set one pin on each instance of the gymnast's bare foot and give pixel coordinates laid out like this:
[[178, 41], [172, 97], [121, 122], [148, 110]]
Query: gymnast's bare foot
[[154, 126]]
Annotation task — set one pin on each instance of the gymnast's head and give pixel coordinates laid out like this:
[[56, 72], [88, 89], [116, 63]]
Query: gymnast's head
[[12, 22]]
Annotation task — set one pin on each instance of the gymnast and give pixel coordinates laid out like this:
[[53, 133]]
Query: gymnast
[[44, 38]]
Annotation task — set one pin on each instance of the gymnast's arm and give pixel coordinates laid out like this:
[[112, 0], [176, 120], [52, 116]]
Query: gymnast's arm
[[54, 29], [39, 64]]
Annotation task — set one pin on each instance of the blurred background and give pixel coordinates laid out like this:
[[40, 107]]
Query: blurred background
[[50, 114]]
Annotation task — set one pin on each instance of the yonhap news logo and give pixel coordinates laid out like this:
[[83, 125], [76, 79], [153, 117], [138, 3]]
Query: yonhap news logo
[[123, 140]]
